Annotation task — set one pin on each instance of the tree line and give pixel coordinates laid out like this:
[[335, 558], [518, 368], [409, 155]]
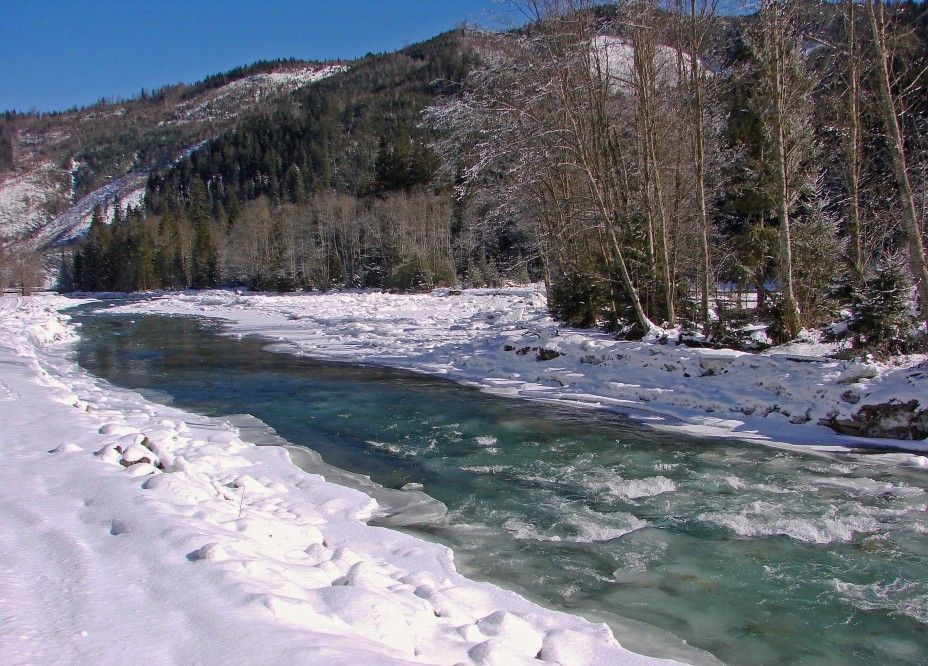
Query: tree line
[[401, 240], [633, 155]]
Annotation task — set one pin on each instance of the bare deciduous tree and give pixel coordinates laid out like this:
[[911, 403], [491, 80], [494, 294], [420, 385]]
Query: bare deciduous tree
[[784, 105], [879, 30]]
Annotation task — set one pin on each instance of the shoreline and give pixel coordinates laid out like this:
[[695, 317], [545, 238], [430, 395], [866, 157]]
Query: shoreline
[[405, 509], [243, 520], [316, 326]]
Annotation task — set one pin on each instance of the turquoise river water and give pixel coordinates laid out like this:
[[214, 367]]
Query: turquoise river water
[[698, 549]]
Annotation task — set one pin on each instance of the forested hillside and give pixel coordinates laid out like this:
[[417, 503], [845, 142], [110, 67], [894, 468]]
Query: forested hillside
[[336, 187], [636, 156], [51, 162]]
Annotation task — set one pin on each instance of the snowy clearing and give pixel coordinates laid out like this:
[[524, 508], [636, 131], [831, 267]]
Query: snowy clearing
[[129, 528], [503, 341]]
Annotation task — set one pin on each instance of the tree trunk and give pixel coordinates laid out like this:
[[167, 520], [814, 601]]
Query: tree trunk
[[852, 152], [653, 191], [697, 79], [791, 317]]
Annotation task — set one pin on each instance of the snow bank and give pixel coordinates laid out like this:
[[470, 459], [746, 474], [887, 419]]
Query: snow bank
[[503, 341], [129, 528]]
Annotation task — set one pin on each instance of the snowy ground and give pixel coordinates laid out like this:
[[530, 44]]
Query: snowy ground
[[504, 342], [133, 531]]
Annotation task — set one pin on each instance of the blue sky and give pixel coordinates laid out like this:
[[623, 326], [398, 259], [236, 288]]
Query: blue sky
[[59, 53]]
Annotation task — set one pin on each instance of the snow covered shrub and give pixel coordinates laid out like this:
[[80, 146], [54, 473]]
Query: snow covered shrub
[[411, 276], [418, 274], [728, 329], [473, 276], [373, 276], [518, 273], [491, 276], [774, 311], [443, 273], [687, 316], [881, 318]]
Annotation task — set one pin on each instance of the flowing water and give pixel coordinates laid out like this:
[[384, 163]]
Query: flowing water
[[751, 554]]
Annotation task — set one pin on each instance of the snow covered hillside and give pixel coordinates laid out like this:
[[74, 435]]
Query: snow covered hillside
[[504, 341], [129, 528], [228, 100], [28, 198], [75, 221]]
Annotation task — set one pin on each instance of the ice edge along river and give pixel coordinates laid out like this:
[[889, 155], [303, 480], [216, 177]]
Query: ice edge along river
[[130, 529], [504, 342]]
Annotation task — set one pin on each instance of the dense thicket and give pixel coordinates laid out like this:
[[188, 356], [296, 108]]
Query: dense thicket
[[657, 149]]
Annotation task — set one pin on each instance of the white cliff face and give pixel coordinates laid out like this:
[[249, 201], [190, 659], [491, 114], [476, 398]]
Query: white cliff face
[[614, 58]]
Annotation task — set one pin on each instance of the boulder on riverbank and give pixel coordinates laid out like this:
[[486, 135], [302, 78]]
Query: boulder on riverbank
[[893, 419]]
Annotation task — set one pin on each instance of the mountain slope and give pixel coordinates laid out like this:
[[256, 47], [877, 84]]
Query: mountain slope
[[80, 157]]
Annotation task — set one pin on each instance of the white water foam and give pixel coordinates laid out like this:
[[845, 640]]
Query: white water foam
[[577, 525], [899, 596], [761, 519]]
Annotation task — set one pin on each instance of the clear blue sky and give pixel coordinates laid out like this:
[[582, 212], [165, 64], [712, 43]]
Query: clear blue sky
[[55, 54]]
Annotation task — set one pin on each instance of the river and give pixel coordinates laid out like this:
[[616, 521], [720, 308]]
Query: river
[[692, 548]]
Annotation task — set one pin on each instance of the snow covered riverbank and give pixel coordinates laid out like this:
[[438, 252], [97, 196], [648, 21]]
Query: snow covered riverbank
[[134, 530], [503, 341]]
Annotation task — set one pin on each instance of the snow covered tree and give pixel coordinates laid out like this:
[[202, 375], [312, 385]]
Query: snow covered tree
[[694, 19], [852, 143], [538, 131]]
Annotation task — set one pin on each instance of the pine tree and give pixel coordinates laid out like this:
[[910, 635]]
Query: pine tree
[[205, 259], [881, 315], [95, 270], [296, 191]]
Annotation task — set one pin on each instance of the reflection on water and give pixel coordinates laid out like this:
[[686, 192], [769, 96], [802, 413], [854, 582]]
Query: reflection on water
[[755, 555]]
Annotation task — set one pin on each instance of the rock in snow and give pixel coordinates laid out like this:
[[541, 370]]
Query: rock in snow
[[194, 546]]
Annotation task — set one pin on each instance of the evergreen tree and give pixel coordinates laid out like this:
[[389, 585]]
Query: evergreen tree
[[204, 264], [95, 270], [881, 317], [296, 190]]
